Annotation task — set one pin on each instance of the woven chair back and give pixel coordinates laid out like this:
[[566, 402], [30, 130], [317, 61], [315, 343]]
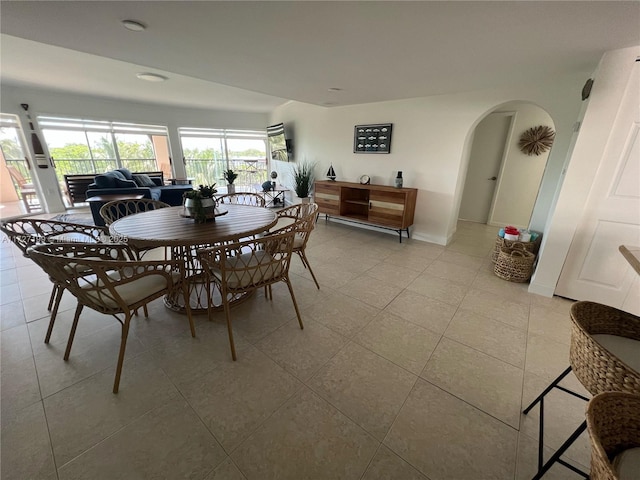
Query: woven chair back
[[27, 232], [242, 198], [117, 209], [303, 215], [251, 264]]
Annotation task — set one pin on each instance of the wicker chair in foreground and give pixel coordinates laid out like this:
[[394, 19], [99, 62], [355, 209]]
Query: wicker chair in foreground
[[242, 198], [241, 267], [613, 422], [108, 279], [604, 355], [27, 232]]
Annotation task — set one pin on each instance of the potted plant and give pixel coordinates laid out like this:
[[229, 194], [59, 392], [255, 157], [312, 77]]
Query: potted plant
[[230, 176], [199, 203], [303, 177]]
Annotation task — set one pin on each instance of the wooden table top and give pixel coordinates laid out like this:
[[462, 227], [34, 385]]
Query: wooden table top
[[165, 226], [632, 254]]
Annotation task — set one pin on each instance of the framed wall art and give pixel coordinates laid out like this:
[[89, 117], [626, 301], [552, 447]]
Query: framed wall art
[[372, 138]]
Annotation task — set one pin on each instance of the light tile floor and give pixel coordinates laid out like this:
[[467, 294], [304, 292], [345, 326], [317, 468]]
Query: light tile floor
[[415, 363]]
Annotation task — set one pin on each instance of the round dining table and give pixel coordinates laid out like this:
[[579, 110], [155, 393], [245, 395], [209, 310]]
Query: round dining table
[[168, 227]]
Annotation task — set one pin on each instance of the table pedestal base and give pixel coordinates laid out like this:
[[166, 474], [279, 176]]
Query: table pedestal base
[[198, 297]]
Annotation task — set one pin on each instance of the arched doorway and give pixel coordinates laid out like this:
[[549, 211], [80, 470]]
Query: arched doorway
[[502, 182]]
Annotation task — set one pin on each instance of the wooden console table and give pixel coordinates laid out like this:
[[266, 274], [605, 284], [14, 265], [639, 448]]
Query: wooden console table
[[378, 205]]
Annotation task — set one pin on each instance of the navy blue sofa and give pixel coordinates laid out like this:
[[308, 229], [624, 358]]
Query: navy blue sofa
[[122, 181]]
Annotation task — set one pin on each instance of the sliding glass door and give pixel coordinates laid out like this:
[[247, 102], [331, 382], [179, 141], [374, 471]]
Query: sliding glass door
[[209, 152]]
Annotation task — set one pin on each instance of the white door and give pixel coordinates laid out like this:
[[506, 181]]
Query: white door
[[487, 153], [594, 269]]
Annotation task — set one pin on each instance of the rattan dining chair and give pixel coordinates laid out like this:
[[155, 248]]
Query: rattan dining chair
[[27, 232], [116, 209], [604, 355], [109, 279], [241, 267], [242, 198], [613, 423], [304, 215]]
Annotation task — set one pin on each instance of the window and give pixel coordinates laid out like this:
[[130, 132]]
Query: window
[[209, 152], [87, 146]]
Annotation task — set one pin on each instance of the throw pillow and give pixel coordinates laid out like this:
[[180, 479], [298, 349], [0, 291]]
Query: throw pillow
[[116, 174], [143, 180], [105, 181]]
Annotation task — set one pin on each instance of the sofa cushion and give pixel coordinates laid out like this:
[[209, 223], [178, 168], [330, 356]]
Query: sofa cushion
[[105, 181], [126, 173], [143, 180], [117, 174], [125, 183]]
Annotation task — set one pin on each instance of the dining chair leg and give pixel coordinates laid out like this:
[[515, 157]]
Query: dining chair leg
[[54, 292], [225, 303], [123, 347], [295, 304], [187, 306], [306, 264], [146, 312], [59, 291], [72, 333]]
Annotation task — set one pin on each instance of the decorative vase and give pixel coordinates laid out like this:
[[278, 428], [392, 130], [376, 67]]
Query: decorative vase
[[399, 180], [231, 188], [200, 209], [305, 200]]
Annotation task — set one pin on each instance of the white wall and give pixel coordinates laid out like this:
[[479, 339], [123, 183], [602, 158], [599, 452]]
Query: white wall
[[521, 174], [609, 84], [43, 102], [430, 144]]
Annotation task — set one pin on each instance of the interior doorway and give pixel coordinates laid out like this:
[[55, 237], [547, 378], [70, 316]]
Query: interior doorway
[[490, 142], [502, 182]]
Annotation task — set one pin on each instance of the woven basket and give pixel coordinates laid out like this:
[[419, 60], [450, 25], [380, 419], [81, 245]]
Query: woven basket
[[613, 423], [597, 368], [514, 264], [531, 247]]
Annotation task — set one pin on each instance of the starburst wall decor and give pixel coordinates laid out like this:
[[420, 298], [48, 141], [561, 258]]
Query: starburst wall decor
[[536, 140]]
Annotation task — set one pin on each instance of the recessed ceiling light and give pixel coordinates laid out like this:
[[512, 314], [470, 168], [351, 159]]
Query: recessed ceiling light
[[335, 89], [134, 25], [151, 77]]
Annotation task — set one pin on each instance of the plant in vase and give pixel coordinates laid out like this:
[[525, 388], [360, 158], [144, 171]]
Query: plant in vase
[[199, 203], [230, 176], [303, 177]]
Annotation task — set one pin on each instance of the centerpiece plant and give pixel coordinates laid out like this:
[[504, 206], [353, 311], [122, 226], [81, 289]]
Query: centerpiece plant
[[199, 203]]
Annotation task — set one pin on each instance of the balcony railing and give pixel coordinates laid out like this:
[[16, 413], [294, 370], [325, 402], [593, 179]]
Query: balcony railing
[[250, 171]]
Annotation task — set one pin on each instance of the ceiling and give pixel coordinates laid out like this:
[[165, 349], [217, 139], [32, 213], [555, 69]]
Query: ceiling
[[254, 56]]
